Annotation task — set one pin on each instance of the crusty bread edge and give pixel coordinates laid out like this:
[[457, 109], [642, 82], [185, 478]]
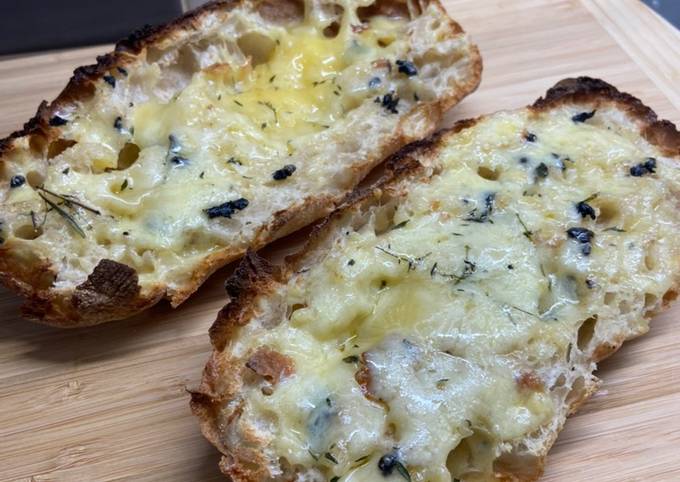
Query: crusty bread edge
[[45, 305], [255, 277], [57, 309]]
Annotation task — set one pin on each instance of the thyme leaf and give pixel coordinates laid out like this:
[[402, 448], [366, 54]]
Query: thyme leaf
[[413, 262], [403, 471], [314, 456], [330, 457], [468, 270], [362, 460], [526, 232], [269, 106], [524, 311], [452, 276], [400, 225], [33, 221]]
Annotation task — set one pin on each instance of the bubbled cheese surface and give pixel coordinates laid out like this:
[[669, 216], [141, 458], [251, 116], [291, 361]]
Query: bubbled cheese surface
[[211, 122], [463, 310]]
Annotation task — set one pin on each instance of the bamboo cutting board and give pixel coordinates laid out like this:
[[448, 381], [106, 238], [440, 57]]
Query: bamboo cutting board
[[109, 402]]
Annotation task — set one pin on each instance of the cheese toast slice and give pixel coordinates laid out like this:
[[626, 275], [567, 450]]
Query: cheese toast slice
[[442, 324], [222, 131]]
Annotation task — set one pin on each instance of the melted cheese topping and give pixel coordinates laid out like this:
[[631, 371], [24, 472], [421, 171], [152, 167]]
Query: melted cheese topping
[[152, 162], [460, 315]]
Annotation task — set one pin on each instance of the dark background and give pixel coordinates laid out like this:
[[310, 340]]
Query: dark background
[[669, 9], [34, 25]]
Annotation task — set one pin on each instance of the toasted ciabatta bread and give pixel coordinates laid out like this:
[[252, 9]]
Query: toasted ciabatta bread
[[443, 324], [219, 132]]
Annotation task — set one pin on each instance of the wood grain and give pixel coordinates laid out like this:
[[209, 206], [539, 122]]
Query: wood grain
[[109, 403], [26, 80], [649, 40]]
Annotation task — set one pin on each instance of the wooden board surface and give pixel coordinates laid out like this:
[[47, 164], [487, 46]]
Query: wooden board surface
[[109, 402]]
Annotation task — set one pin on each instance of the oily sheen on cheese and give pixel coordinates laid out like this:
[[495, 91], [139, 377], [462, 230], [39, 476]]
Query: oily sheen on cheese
[[193, 152], [442, 332]]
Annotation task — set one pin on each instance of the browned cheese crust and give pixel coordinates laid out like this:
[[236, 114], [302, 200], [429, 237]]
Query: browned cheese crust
[[255, 278]]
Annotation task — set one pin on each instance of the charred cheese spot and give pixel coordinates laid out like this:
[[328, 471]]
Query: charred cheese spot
[[270, 365]]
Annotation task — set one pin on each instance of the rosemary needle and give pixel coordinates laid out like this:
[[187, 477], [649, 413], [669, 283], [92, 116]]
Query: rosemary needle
[[69, 200], [64, 215]]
